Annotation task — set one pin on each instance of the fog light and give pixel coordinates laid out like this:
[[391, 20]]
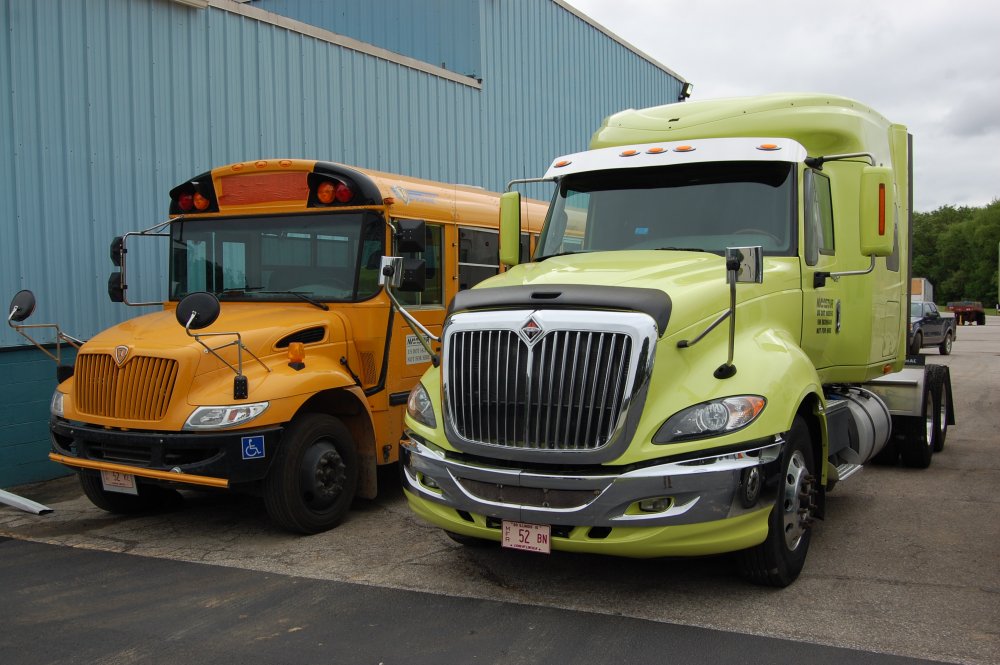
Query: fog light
[[428, 482], [657, 505]]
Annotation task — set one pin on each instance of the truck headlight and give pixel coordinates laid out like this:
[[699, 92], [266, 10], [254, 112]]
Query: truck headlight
[[714, 418], [56, 406], [419, 407], [215, 417]]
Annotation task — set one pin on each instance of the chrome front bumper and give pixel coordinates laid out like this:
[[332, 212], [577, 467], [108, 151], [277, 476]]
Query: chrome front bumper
[[692, 491]]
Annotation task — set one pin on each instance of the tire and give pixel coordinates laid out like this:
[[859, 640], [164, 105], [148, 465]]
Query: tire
[[938, 376], [916, 344], [314, 476], [150, 499], [779, 559], [916, 432], [945, 346]]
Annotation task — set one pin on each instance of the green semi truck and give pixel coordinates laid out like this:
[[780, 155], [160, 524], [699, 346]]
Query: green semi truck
[[710, 335]]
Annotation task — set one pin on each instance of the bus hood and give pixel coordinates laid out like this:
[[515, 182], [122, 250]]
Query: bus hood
[[694, 281], [264, 330]]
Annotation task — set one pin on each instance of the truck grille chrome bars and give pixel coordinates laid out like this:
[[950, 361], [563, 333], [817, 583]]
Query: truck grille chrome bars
[[546, 380]]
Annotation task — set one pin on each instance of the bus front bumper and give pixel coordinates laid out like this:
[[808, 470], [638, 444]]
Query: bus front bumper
[[695, 507]]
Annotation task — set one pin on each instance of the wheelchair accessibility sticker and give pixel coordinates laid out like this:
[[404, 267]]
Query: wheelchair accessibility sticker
[[253, 447]]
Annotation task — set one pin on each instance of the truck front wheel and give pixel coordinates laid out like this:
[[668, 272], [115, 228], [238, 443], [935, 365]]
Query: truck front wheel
[[779, 559], [314, 477], [938, 376]]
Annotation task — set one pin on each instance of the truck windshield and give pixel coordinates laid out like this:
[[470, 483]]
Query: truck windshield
[[318, 257], [699, 207]]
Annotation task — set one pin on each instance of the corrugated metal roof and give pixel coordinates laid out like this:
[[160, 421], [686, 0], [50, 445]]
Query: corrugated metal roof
[[113, 103]]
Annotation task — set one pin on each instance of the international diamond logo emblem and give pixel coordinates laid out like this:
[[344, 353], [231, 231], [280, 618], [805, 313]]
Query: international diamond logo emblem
[[121, 354], [531, 331]]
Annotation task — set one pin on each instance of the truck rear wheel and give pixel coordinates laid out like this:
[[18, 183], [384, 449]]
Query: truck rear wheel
[[780, 558], [916, 343], [945, 346], [916, 432], [938, 377], [314, 477], [151, 498]]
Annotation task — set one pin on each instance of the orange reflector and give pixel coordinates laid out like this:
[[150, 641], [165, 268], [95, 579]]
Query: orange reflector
[[768, 146], [886, 369], [629, 153], [559, 165], [388, 201], [200, 202], [684, 148], [881, 209], [285, 163], [325, 192], [655, 151], [237, 167], [261, 164], [296, 352]]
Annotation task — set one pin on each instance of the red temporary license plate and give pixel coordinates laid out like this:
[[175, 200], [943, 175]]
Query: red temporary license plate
[[524, 536], [115, 481]]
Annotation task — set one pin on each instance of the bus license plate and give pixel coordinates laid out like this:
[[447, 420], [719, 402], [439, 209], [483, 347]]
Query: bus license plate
[[115, 481], [529, 537]]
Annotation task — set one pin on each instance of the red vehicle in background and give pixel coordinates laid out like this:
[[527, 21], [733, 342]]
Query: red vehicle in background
[[967, 312]]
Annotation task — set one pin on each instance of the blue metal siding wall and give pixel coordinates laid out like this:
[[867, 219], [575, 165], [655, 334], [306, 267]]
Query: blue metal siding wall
[[442, 32], [112, 102]]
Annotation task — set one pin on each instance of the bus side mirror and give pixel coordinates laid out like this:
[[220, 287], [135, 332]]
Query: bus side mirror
[[21, 306], [117, 249], [116, 288], [510, 228], [411, 236], [198, 310], [414, 276], [877, 214]]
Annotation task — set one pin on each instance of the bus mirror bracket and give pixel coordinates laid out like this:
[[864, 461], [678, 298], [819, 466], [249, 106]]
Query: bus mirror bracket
[[22, 305], [392, 275], [201, 309]]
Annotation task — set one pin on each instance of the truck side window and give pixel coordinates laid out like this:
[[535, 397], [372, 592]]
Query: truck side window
[[818, 217], [433, 293], [478, 256]]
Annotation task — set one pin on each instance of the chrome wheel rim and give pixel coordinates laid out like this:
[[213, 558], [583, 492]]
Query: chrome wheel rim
[[795, 488]]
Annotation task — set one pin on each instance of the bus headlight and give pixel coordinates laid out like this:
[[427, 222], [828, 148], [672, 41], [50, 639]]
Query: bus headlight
[[720, 416], [56, 406], [216, 417], [419, 407]]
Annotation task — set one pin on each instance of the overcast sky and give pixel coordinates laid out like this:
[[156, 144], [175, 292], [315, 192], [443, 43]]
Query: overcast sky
[[933, 65]]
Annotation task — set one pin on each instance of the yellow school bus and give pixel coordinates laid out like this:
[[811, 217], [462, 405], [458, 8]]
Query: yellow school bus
[[277, 365]]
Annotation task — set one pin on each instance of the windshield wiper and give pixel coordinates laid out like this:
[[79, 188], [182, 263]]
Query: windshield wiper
[[684, 249], [301, 295], [549, 256]]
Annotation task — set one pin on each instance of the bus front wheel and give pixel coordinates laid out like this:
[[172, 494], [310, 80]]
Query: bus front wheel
[[315, 476]]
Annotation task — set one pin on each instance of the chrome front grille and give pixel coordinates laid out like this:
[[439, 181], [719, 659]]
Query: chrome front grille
[[138, 390], [555, 388]]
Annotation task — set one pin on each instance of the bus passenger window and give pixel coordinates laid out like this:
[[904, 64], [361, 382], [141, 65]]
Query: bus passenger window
[[478, 256]]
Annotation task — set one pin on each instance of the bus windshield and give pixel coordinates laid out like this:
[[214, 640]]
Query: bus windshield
[[318, 257], [698, 207]]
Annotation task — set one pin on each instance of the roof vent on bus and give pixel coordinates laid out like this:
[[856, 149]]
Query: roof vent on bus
[[307, 336]]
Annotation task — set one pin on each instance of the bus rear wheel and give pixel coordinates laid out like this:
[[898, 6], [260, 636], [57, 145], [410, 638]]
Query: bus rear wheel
[[314, 477]]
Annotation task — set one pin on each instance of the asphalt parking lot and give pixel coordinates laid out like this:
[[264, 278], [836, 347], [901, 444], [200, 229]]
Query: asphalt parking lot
[[907, 562]]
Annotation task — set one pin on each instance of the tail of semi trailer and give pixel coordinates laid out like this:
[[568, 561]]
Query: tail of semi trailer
[[293, 388], [709, 336]]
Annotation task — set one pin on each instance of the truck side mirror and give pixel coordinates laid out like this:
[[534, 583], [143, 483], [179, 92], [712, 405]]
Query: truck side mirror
[[21, 306], [510, 228], [746, 264], [116, 288], [411, 235], [117, 249], [877, 216]]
